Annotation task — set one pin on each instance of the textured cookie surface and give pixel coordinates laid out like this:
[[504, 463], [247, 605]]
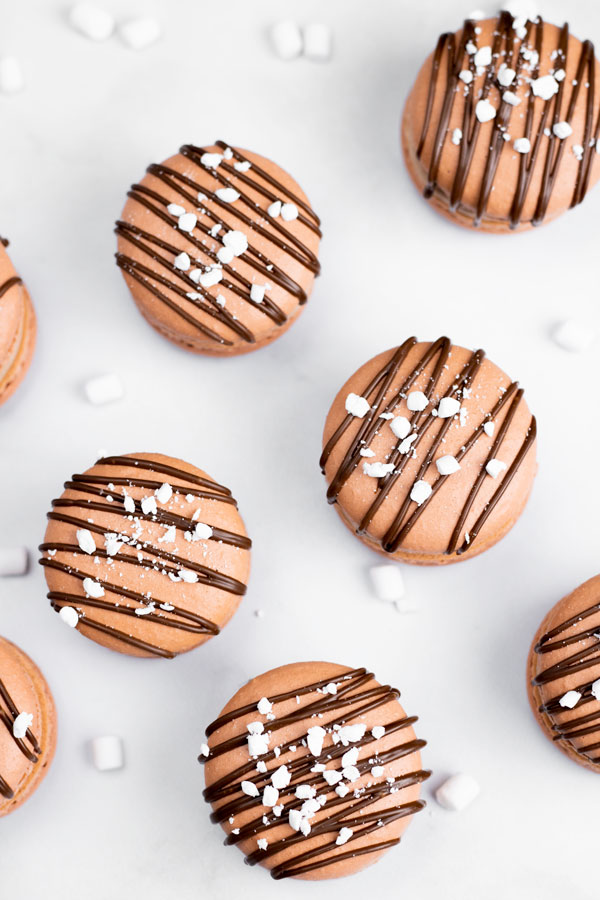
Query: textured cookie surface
[[501, 128], [429, 452], [564, 674], [219, 248], [148, 553], [313, 770]]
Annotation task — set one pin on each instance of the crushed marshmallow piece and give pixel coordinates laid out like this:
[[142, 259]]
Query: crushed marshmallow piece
[[242, 166], [447, 465], [378, 469], [258, 744], [69, 616], [506, 75], [365, 451], [145, 610], [457, 136], [182, 261], [400, 426], [13, 561], [483, 57], [93, 588], [387, 581], [91, 21], [187, 222], [417, 401], [511, 98], [378, 732], [204, 750], [457, 792], [545, 87], [225, 255], [484, 111], [489, 428], [211, 160], [377, 771], [357, 406], [188, 576], [494, 467], [262, 843], [448, 407], [227, 194], [341, 790], [103, 389], [149, 507], [11, 75], [86, 541], [344, 836], [140, 33], [315, 738], [287, 40], [175, 209], [421, 490], [257, 292], [317, 41], [236, 241], [595, 689], [249, 788], [164, 493], [274, 209], [289, 212], [332, 777], [350, 734], [570, 699], [350, 757], [270, 796], [305, 791], [280, 778], [21, 724], [264, 706]]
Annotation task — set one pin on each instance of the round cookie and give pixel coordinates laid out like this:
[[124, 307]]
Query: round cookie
[[563, 675], [500, 131], [429, 453], [313, 770], [17, 327], [219, 248], [26, 744], [146, 554]]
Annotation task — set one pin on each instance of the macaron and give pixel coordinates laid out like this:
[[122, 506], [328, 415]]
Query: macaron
[[145, 554], [219, 248], [17, 326], [429, 452], [27, 727], [313, 770]]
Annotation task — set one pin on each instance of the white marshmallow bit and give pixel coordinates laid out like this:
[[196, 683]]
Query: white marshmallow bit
[[128, 502], [378, 469], [457, 792], [21, 724], [212, 277], [149, 507], [274, 209], [227, 194], [417, 401], [387, 581], [560, 74], [280, 778], [570, 699], [378, 732], [187, 222], [400, 426], [489, 428], [466, 76], [522, 145], [69, 616], [366, 451], [140, 33], [377, 771], [188, 576], [357, 406], [289, 212], [318, 42], [175, 209], [448, 407], [225, 255], [447, 465], [595, 689], [258, 744], [236, 241], [86, 541], [249, 788], [305, 791], [264, 706], [351, 773], [107, 752], [211, 160], [494, 467], [103, 389], [511, 98], [577, 151], [457, 136], [11, 75], [506, 75], [91, 21], [286, 39], [332, 777], [574, 335], [344, 836], [295, 819], [93, 588], [421, 490], [484, 111], [202, 531], [242, 166], [164, 493], [545, 87], [350, 757], [483, 57], [204, 750], [182, 262], [350, 734], [262, 843], [257, 292], [341, 790], [13, 561], [270, 796], [315, 738]]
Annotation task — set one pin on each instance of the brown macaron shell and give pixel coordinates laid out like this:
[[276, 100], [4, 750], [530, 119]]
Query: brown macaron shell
[[154, 548], [378, 816], [565, 656], [482, 181], [17, 328], [24, 761], [281, 254], [468, 511]]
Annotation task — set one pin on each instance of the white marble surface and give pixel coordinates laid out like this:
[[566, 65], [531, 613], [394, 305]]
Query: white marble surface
[[91, 118]]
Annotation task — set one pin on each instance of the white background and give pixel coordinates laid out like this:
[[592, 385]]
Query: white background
[[91, 119]]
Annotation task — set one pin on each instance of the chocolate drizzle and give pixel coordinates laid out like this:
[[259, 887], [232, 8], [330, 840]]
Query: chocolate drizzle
[[422, 422], [352, 700], [149, 556], [585, 642], [160, 275], [451, 54], [29, 745]]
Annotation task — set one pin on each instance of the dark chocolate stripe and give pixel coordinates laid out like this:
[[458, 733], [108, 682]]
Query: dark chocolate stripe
[[29, 745], [8, 284]]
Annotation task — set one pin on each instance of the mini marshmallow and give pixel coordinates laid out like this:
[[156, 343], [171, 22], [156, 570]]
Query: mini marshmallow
[[574, 336], [484, 111], [86, 541], [140, 33], [522, 145], [210, 278], [421, 490], [448, 407], [286, 39], [91, 21], [289, 212], [506, 75], [93, 588], [494, 467], [249, 788], [378, 732], [262, 843], [315, 738], [387, 582], [274, 209], [357, 406], [511, 98], [447, 465], [14, 561], [107, 752], [257, 292], [457, 136], [489, 428], [570, 699], [270, 796], [187, 222], [595, 689], [11, 75], [227, 194], [236, 241], [175, 209], [264, 706], [378, 469], [466, 76], [483, 57], [457, 792], [21, 725], [69, 616], [545, 87], [562, 130], [149, 507], [183, 262], [400, 425], [317, 41], [164, 493], [417, 401], [103, 389], [344, 836], [211, 160]]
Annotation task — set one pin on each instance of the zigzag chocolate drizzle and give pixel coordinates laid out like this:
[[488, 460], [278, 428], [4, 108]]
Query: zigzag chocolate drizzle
[[422, 422], [507, 48], [349, 811], [28, 745], [587, 724], [97, 486], [211, 208]]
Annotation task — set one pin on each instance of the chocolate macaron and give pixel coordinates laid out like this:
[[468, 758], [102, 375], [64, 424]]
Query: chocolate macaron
[[17, 326], [219, 248], [313, 770], [145, 554], [501, 130], [27, 727], [563, 675], [429, 452]]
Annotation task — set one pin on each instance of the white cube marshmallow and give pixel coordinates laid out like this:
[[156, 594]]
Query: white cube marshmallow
[[69, 616], [570, 699], [421, 490], [484, 111], [103, 389], [447, 465], [400, 425], [457, 792], [92, 21], [11, 75], [317, 41], [357, 406], [14, 561], [417, 401], [494, 467], [448, 407], [140, 33], [107, 752], [286, 39], [388, 583], [574, 336]]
